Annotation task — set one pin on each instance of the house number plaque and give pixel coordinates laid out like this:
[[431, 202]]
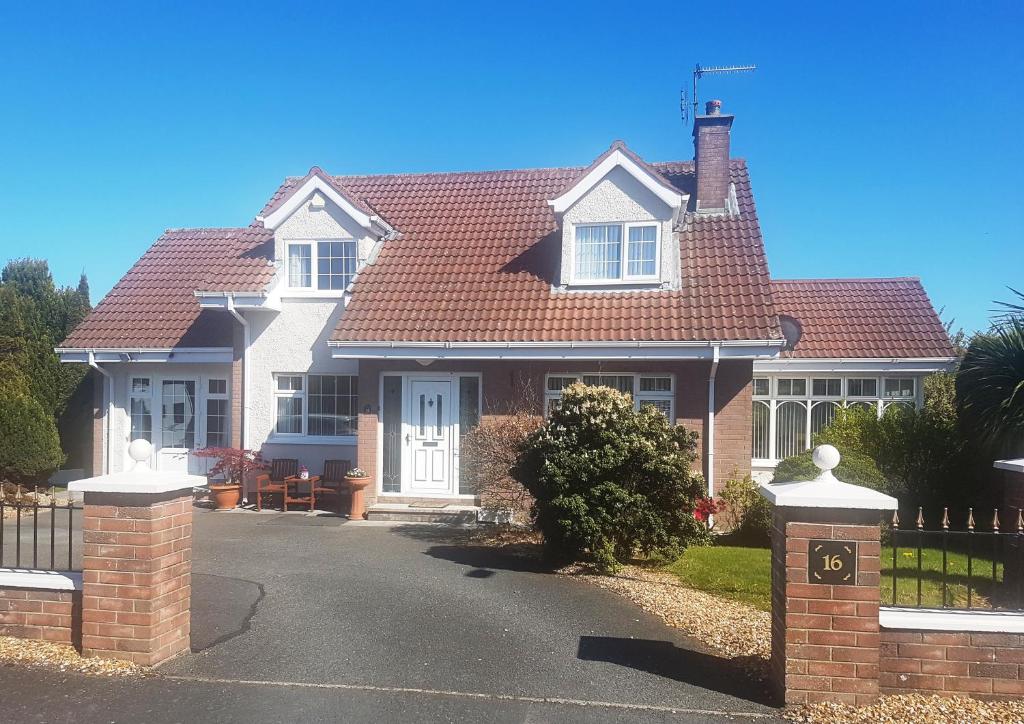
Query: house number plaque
[[832, 561]]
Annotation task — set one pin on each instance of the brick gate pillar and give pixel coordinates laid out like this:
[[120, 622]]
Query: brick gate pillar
[[825, 587], [137, 562]]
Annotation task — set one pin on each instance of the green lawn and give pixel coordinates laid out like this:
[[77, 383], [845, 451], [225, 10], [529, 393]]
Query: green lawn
[[744, 574], [740, 574]]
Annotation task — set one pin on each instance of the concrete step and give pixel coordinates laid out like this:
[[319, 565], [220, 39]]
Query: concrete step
[[403, 512]]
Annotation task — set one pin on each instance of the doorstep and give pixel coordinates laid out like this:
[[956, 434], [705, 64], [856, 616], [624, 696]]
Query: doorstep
[[425, 512]]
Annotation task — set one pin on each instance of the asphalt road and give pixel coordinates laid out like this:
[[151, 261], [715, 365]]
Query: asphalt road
[[313, 619]]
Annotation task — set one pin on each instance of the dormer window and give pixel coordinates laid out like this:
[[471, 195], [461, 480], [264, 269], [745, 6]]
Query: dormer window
[[616, 253], [334, 263]]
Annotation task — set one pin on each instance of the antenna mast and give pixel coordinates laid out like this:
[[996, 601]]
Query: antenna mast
[[698, 73]]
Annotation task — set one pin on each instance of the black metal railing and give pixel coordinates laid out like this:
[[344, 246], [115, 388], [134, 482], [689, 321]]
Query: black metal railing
[[967, 569], [38, 536]]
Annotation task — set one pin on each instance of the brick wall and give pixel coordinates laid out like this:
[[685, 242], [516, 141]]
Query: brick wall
[[237, 371], [515, 384], [711, 151], [825, 638], [98, 420], [952, 662], [43, 615], [136, 579]]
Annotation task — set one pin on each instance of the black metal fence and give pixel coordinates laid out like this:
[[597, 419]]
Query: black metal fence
[[966, 569], [40, 536]]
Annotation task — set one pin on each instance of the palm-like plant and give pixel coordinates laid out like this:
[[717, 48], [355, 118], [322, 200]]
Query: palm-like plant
[[990, 387]]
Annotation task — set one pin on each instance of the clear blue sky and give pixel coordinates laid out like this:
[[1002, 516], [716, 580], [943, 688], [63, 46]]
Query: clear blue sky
[[883, 138]]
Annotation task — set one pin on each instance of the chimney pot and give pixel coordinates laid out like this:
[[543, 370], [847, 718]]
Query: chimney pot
[[714, 107]]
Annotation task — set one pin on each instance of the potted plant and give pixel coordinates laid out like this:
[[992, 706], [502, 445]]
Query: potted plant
[[232, 465], [358, 479]]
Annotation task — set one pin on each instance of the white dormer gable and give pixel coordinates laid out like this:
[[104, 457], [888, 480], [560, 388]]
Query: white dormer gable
[[617, 223], [322, 237]]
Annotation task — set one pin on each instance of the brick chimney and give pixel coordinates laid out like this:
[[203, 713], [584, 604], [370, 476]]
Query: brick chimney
[[711, 154]]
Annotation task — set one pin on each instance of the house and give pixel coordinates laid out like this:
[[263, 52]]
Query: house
[[379, 318]]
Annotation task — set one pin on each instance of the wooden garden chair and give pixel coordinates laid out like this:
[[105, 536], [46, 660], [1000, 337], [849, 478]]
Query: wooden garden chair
[[276, 481], [332, 482]]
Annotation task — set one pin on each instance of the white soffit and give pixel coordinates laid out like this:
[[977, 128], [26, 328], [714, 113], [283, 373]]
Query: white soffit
[[617, 158], [196, 355]]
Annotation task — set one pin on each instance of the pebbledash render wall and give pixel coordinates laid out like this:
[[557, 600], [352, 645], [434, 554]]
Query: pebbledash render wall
[[507, 385], [293, 341]]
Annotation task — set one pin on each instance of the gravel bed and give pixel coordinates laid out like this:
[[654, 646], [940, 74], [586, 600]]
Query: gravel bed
[[916, 708], [46, 654], [732, 629]]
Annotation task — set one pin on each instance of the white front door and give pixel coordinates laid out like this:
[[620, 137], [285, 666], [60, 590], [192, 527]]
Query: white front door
[[429, 436], [176, 434]]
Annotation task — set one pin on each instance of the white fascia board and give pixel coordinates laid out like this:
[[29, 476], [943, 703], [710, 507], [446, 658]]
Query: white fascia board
[[671, 198], [751, 349], [299, 197], [923, 619], [193, 355], [908, 365], [40, 580]]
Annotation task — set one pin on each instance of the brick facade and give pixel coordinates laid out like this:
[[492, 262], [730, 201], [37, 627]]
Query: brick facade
[[952, 662], [825, 638], [42, 615], [511, 385], [99, 413], [136, 575]]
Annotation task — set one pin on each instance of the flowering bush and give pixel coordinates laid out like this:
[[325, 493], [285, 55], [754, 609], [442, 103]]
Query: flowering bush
[[233, 463], [706, 507], [609, 481]]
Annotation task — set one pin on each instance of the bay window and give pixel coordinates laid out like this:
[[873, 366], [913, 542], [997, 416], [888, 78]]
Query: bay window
[[315, 405], [616, 252], [321, 265]]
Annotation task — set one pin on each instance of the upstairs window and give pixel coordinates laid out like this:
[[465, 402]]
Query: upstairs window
[[321, 265], [615, 252]]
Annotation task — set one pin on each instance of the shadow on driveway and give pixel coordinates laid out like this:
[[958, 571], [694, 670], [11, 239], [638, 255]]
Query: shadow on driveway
[[665, 659]]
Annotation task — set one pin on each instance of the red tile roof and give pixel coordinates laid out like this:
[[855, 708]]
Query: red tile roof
[[154, 306], [865, 318], [478, 254]]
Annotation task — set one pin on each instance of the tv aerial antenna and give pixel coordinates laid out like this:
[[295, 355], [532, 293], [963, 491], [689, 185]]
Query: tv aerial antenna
[[698, 73]]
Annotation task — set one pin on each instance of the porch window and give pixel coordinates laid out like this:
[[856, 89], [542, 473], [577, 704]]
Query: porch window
[[469, 418], [331, 264], [140, 409], [178, 411], [785, 423], [316, 405], [601, 249], [645, 389], [217, 415]]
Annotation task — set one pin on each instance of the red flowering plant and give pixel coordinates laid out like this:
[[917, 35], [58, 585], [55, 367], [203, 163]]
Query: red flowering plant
[[233, 464], [706, 507]]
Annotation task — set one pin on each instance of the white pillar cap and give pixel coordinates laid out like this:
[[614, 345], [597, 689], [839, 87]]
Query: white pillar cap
[[826, 491], [140, 479]]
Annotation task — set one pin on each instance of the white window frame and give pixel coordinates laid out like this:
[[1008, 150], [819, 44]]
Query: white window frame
[[314, 257], [887, 397], [638, 397], [810, 401], [624, 276], [226, 396], [826, 396], [304, 437], [148, 395]]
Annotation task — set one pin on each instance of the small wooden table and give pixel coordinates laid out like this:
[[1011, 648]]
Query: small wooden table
[[309, 499]]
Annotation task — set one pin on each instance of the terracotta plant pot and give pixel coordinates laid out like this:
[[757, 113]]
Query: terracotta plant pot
[[226, 495], [358, 509]]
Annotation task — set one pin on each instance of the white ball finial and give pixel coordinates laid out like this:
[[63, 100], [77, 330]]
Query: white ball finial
[[140, 451], [826, 457]]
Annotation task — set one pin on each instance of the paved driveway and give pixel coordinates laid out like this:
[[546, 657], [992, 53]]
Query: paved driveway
[[331, 620]]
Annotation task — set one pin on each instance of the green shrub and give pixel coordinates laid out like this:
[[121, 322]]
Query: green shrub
[[608, 480], [745, 513], [855, 468], [29, 444]]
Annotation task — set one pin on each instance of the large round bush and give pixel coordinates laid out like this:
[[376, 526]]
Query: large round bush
[[609, 481], [29, 444]]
